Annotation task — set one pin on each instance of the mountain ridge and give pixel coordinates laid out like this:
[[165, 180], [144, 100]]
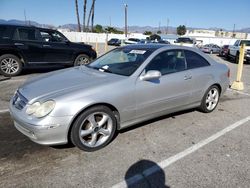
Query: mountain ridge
[[133, 28]]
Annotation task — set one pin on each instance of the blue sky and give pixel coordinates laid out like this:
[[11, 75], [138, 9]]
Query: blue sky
[[193, 13]]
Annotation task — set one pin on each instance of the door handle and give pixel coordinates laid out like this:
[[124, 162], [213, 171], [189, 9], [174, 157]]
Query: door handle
[[18, 44], [46, 45], [187, 77]]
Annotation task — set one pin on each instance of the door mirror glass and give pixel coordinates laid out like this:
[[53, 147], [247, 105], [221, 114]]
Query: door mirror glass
[[151, 75]]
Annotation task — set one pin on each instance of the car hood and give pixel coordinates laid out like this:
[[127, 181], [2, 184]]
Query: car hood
[[65, 81]]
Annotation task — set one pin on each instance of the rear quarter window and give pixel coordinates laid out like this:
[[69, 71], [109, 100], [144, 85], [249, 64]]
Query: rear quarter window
[[195, 60], [26, 34], [4, 32]]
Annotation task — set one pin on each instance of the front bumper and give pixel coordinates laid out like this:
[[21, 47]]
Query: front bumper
[[247, 57], [46, 131]]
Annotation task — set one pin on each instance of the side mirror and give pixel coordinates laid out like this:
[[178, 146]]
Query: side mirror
[[151, 75]]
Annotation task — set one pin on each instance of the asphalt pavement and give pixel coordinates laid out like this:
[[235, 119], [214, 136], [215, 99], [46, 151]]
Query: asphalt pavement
[[185, 149]]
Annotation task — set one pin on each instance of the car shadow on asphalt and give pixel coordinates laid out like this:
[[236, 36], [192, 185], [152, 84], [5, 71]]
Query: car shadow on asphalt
[[147, 174], [231, 60], [172, 115], [12, 143]]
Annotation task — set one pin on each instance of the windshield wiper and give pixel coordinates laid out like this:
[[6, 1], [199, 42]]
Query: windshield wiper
[[104, 70], [100, 69]]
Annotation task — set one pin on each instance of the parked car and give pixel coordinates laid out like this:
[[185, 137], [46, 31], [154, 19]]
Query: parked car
[[224, 50], [163, 41], [22, 46], [211, 48], [234, 51], [114, 42], [86, 105], [132, 41], [185, 41]]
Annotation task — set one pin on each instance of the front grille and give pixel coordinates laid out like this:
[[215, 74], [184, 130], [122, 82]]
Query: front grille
[[19, 101]]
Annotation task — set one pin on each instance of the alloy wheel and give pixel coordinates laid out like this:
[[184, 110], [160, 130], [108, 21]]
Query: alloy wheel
[[212, 99], [95, 129], [9, 66], [82, 61]]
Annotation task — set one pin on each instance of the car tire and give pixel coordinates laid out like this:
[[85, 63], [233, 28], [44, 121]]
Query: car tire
[[237, 58], [228, 56], [81, 59], [210, 100], [10, 65], [94, 128]]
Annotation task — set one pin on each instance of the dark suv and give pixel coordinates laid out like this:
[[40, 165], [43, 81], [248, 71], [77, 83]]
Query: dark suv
[[22, 46]]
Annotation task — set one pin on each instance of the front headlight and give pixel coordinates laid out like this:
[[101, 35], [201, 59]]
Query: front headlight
[[41, 109]]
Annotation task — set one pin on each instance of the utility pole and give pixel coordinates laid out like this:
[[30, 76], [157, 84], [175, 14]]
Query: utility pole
[[126, 20], [167, 25], [109, 21], [233, 31], [24, 12]]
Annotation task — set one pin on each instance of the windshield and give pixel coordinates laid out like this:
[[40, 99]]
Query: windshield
[[246, 42], [122, 61]]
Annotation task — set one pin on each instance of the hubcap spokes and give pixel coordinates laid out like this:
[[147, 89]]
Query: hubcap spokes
[[9, 65], [83, 61], [212, 99], [95, 129]]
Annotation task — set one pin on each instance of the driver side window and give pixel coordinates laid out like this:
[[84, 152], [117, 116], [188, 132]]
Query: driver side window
[[168, 62]]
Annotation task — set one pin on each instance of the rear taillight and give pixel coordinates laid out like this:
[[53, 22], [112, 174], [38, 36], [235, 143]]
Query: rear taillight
[[228, 73]]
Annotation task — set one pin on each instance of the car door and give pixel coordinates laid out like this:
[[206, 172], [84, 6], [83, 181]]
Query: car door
[[27, 40], [199, 69], [56, 46], [235, 48], [172, 90]]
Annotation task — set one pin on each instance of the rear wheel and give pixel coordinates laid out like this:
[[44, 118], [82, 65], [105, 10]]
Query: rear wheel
[[237, 58], [82, 59], [10, 65], [210, 99], [94, 128]]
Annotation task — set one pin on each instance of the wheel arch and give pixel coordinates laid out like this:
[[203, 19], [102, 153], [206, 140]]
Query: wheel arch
[[219, 86], [15, 53], [113, 108]]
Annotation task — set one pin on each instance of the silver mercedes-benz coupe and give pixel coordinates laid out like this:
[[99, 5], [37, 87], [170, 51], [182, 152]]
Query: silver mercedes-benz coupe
[[86, 105]]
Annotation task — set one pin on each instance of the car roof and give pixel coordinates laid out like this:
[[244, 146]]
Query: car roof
[[145, 46], [27, 26], [156, 46]]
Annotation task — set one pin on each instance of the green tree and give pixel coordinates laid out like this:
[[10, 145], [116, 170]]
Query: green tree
[[147, 33], [181, 30], [158, 32], [155, 37], [113, 30], [98, 29]]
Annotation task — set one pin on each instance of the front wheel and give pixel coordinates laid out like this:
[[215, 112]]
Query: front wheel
[[10, 65], [94, 128], [237, 57], [210, 99], [82, 59]]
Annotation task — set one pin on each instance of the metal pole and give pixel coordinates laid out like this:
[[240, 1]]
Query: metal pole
[[238, 84], [126, 20]]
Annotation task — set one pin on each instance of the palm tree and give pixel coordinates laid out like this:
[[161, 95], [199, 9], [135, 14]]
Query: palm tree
[[84, 14], [77, 15], [91, 14]]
